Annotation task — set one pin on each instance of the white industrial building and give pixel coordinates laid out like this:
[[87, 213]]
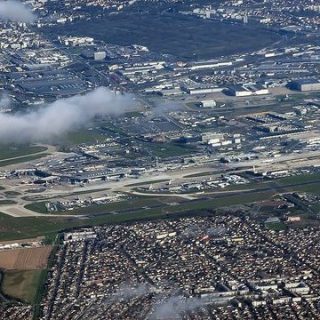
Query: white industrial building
[[201, 90], [208, 104], [246, 90], [305, 85], [220, 139], [210, 65]]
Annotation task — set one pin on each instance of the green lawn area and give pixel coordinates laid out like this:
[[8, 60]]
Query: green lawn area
[[312, 188], [170, 149], [149, 204], [183, 36], [200, 174], [276, 226], [146, 182], [103, 208], [37, 207], [22, 228], [23, 159], [5, 202], [303, 178], [7, 152], [223, 201], [22, 285], [82, 136], [118, 212], [27, 153], [130, 210], [90, 191], [316, 207], [302, 183], [12, 194]]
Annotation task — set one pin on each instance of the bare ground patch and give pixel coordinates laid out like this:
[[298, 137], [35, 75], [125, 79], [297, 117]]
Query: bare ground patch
[[25, 259]]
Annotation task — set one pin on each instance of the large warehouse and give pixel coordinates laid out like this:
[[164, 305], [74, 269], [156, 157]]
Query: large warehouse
[[247, 90], [305, 85]]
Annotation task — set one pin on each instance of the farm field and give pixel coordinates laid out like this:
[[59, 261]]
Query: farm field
[[25, 259], [22, 285]]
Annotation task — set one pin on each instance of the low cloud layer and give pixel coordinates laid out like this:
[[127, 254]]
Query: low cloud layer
[[12, 10], [62, 116]]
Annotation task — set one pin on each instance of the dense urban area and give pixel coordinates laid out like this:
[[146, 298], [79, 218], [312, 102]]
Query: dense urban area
[[159, 159]]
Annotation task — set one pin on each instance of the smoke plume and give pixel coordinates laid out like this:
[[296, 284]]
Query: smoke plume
[[175, 307], [4, 102], [61, 116], [12, 10], [127, 291]]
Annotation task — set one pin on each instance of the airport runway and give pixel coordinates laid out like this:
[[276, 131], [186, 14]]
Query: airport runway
[[182, 175]]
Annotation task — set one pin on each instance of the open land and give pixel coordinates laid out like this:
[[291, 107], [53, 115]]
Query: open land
[[201, 39], [25, 259], [22, 285]]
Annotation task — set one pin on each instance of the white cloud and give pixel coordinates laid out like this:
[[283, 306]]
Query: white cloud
[[12, 10], [61, 116]]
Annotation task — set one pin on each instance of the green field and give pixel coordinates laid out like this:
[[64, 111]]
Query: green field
[[19, 153], [143, 208], [165, 33], [21, 228], [312, 188], [103, 208], [23, 159], [301, 183], [11, 194], [223, 201], [170, 149], [6, 202], [21, 285], [118, 212], [299, 179], [276, 226], [315, 207], [199, 174], [7, 152], [82, 136], [154, 204], [37, 207], [90, 191], [147, 182]]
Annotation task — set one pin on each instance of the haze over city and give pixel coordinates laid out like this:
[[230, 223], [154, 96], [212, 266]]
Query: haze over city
[[159, 159]]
